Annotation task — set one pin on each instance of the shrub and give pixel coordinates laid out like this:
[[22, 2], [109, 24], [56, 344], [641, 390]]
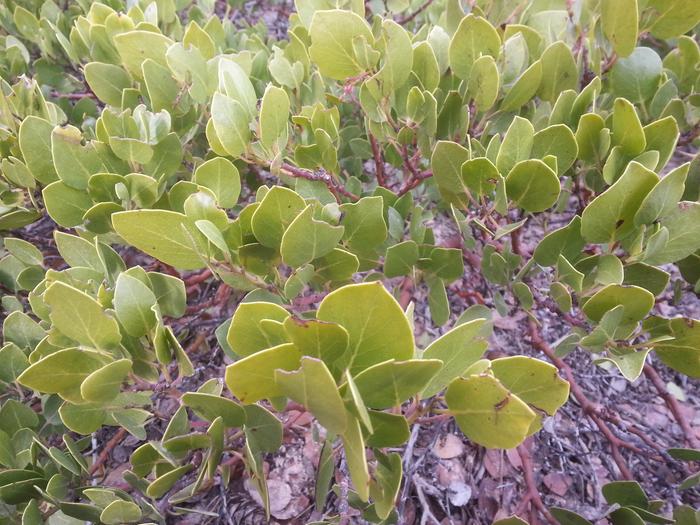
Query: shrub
[[308, 175]]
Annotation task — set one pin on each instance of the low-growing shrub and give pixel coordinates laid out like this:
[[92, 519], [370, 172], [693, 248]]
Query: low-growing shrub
[[337, 185]]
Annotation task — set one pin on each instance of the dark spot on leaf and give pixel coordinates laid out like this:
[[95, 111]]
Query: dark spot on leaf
[[502, 403]]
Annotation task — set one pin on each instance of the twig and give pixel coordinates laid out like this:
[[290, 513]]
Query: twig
[[406, 19], [425, 504], [113, 442], [532, 494], [672, 404], [378, 161], [588, 407], [74, 96], [198, 277], [320, 176]]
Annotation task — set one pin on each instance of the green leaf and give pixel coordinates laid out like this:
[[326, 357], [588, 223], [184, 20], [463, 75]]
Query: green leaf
[[445, 263], [683, 234], [133, 304], [397, 59], [247, 335], [161, 485], [653, 279], [557, 140], [627, 129], [263, 428], [388, 430], [20, 329], [364, 223], [35, 142], [274, 117], [524, 88], [484, 82], [314, 387], [619, 20], [210, 407], [517, 145], [680, 353], [610, 216], [12, 362], [170, 294], [533, 381], [77, 252], [61, 372], [105, 383], [625, 493], [425, 65], [384, 487], [168, 236], [326, 341], [254, 378], [66, 205], [438, 303], [377, 327], [307, 239], [120, 511], [446, 163], [231, 123], [488, 413], [663, 199], [637, 76], [458, 349], [637, 302], [84, 418], [332, 34], [135, 47], [107, 81], [236, 85], [15, 416], [276, 212], [400, 259], [337, 266], [672, 18], [74, 163], [567, 517], [475, 37], [630, 363], [325, 471], [662, 136], [356, 457], [80, 317], [390, 383], [24, 251], [591, 127], [533, 185], [559, 71]]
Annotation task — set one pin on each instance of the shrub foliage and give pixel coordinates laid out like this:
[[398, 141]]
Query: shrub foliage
[[171, 144]]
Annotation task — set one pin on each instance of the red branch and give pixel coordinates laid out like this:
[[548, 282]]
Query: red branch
[[532, 495], [320, 176], [104, 455], [589, 408], [406, 19], [378, 161], [672, 404]]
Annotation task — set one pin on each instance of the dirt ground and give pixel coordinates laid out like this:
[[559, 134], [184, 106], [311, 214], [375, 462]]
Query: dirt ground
[[447, 479]]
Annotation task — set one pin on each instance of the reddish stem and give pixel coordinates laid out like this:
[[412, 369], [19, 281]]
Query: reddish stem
[[672, 404], [104, 455], [378, 161], [588, 407]]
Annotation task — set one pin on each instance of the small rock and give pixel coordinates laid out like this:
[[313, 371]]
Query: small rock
[[460, 493], [448, 446], [280, 496], [557, 483]]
